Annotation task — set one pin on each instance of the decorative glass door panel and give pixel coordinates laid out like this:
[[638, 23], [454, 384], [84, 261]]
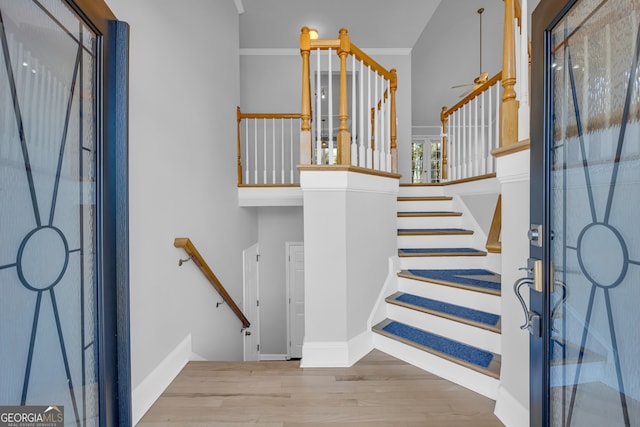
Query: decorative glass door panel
[[594, 170], [48, 261]]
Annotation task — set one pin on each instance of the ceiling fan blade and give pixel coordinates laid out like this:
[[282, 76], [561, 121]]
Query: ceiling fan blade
[[464, 94], [457, 86]]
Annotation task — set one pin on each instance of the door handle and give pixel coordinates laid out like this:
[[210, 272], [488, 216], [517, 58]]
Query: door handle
[[247, 333], [531, 318]]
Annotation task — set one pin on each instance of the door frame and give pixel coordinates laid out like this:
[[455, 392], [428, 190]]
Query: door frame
[[546, 15], [112, 197], [288, 246]]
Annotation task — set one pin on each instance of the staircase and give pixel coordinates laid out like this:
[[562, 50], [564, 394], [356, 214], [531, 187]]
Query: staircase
[[445, 315]]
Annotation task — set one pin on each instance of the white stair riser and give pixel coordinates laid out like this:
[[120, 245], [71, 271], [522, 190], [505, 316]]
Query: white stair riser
[[480, 383], [430, 222], [419, 191], [425, 206], [461, 332], [471, 299], [442, 262], [437, 241]]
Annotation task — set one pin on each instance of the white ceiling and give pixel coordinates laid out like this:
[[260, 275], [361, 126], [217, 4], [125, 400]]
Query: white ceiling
[[371, 23]]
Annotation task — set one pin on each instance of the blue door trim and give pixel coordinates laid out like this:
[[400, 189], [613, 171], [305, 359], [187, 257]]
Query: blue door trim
[[113, 214]]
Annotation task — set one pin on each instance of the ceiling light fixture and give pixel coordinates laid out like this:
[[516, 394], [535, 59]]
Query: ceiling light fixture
[[313, 34]]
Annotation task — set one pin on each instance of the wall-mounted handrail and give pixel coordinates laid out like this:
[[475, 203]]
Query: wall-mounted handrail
[[186, 244], [358, 143], [269, 157]]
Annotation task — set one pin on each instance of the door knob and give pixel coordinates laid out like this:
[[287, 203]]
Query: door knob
[[247, 333]]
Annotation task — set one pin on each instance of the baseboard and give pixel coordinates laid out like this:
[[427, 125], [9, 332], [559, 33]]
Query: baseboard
[[509, 410], [149, 390], [267, 357], [336, 354]]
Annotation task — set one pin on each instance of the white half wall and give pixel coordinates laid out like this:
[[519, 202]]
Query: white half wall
[[184, 87], [349, 234], [513, 399]]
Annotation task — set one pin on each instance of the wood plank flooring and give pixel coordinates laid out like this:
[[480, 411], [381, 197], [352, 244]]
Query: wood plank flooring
[[379, 390]]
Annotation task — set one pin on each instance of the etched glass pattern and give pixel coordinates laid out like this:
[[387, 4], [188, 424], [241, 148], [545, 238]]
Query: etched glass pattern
[[48, 209], [595, 171]]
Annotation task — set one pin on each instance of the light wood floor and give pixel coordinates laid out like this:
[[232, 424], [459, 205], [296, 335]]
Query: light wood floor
[[378, 391]]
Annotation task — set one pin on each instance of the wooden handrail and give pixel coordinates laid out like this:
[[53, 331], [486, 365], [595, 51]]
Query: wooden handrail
[[186, 244], [482, 88]]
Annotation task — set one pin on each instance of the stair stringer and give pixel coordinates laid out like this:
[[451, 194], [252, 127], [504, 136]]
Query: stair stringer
[[379, 312]]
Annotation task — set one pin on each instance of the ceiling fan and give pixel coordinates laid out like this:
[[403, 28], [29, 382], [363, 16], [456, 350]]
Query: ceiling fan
[[483, 76]]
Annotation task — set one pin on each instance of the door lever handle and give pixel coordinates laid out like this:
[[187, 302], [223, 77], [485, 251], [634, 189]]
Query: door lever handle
[[531, 318]]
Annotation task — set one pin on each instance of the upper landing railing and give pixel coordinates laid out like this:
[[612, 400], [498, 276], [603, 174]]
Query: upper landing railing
[[363, 133], [495, 115]]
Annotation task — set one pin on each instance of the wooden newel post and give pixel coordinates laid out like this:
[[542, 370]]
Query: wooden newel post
[[393, 85], [305, 130], [239, 119], [509, 107], [344, 137], [444, 118]]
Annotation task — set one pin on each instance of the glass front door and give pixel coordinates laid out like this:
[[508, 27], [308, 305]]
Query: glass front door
[[51, 306], [589, 156]]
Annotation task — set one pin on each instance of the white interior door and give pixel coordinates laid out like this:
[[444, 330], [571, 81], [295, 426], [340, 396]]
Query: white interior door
[[295, 296], [250, 261]]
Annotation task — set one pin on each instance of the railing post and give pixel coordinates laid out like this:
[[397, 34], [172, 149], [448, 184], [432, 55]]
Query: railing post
[[445, 160], [344, 138], [305, 130], [393, 85], [509, 107], [239, 119]]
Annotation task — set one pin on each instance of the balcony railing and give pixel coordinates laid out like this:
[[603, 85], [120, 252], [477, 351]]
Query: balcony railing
[[268, 149], [363, 132]]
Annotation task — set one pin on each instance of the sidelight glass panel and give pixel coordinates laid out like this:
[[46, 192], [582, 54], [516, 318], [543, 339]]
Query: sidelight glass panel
[[48, 301], [595, 172]]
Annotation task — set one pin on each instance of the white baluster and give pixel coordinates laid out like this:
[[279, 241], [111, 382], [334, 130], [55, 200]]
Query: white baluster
[[318, 115], [376, 125], [264, 145], [464, 153], [369, 123], [291, 150], [246, 152], [281, 121], [330, 111], [362, 152], [497, 111], [483, 139], [354, 117], [452, 149], [490, 141], [273, 148], [255, 147], [383, 128]]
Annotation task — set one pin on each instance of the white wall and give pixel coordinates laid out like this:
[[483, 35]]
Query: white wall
[[184, 86], [277, 225], [447, 54]]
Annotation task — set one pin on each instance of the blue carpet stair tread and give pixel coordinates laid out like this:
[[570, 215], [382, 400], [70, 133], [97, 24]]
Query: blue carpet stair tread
[[432, 231], [472, 279], [440, 252], [458, 313], [429, 213], [471, 357]]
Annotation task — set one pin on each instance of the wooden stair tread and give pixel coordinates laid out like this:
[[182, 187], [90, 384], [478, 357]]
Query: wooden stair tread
[[493, 370], [446, 314], [427, 214], [425, 199], [432, 231]]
